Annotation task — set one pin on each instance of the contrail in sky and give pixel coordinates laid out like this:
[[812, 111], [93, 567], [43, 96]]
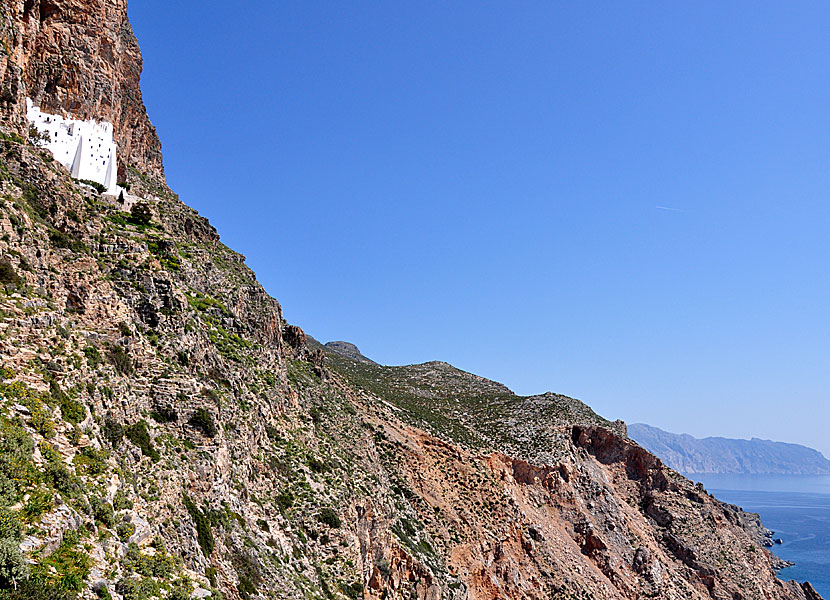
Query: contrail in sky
[[669, 208]]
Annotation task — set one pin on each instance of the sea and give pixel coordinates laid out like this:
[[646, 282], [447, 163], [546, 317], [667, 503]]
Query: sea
[[796, 508]]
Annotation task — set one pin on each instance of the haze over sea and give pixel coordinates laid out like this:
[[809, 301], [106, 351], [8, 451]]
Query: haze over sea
[[796, 508]]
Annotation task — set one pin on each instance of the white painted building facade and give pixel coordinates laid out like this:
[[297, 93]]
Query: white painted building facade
[[86, 148]]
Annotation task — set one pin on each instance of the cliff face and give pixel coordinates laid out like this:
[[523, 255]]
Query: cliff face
[[78, 58], [723, 455], [164, 433]]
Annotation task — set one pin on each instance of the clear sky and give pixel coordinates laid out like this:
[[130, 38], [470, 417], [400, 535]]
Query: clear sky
[[480, 183]]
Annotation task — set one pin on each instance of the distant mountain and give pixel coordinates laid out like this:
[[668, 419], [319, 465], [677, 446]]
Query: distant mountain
[[348, 350], [690, 455]]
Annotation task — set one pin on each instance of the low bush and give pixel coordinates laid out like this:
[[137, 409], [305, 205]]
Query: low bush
[[62, 479], [67, 567], [164, 414], [102, 511], [284, 500], [327, 516], [141, 214], [36, 589], [60, 239], [13, 567], [203, 421], [139, 434], [121, 502], [71, 410], [98, 187], [118, 357], [93, 356], [10, 526], [113, 431], [8, 276], [204, 534], [91, 461], [38, 504], [125, 531]]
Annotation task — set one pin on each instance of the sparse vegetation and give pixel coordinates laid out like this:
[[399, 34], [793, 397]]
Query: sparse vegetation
[[119, 359], [139, 434], [203, 421], [204, 534], [8, 276], [141, 214], [327, 516]]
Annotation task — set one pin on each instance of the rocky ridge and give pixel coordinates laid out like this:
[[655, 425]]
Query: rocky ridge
[[348, 350], [165, 433]]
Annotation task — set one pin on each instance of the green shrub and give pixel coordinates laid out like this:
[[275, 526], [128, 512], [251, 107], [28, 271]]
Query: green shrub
[[327, 516], [141, 214], [352, 590], [203, 421], [71, 567], [91, 461], [139, 434], [62, 479], [10, 526], [93, 356], [113, 431], [48, 452], [204, 535], [13, 567], [121, 502], [160, 565], [102, 511], [38, 504], [8, 276], [317, 465], [164, 414], [284, 500], [17, 469], [138, 588], [36, 589], [39, 417], [71, 410], [60, 239], [119, 359], [125, 531]]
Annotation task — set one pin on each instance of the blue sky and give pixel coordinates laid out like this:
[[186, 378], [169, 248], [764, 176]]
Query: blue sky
[[478, 182]]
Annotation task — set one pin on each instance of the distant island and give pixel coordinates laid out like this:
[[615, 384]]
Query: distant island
[[712, 455]]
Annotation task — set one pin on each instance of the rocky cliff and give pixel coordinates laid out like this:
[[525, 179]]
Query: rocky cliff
[[164, 433], [78, 58], [690, 455]]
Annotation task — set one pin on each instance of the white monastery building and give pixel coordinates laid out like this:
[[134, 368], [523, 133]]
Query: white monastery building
[[86, 148]]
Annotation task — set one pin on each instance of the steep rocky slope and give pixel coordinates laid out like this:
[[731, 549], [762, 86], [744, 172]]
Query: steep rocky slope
[[724, 455], [165, 433]]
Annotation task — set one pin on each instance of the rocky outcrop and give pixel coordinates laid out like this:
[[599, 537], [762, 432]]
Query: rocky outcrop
[[80, 59], [348, 350]]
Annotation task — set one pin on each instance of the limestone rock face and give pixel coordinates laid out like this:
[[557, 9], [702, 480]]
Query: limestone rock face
[[79, 59]]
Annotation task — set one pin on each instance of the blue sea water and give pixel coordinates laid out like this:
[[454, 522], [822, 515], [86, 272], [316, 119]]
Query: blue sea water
[[796, 508]]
